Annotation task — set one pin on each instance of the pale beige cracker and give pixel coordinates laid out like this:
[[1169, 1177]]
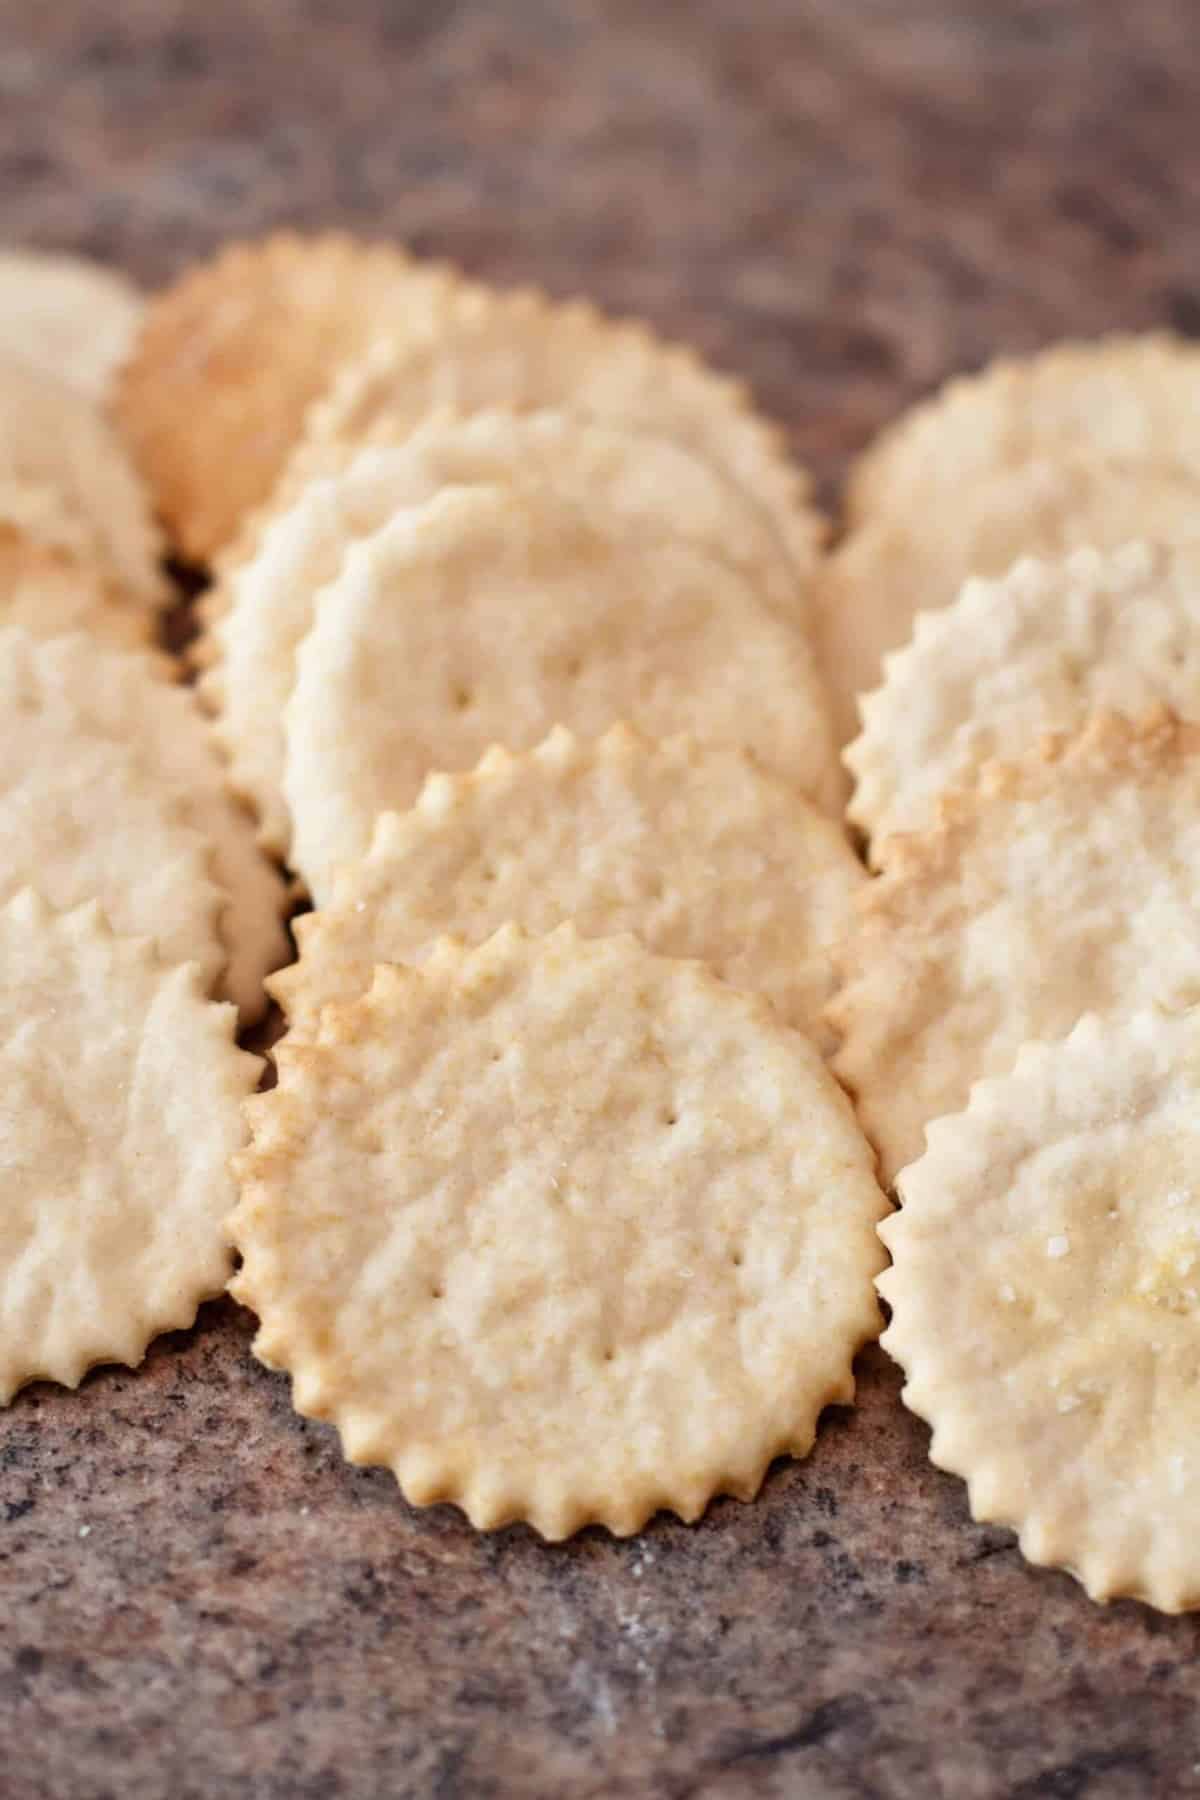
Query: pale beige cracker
[[72, 318], [1126, 396], [489, 616], [67, 481], [46, 593], [638, 484], [560, 1231], [122, 696], [84, 817], [231, 356], [123, 1092], [697, 851], [1045, 1296], [871, 589], [1037, 650], [1063, 882], [521, 352]]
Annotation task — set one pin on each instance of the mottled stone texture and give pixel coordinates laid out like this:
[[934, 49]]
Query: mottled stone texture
[[843, 199]]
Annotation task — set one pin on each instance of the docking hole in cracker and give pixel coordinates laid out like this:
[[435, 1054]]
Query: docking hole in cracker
[[560, 1231], [231, 356], [123, 1090], [263, 606], [696, 850], [1037, 650], [489, 616], [1045, 1296], [1063, 882]]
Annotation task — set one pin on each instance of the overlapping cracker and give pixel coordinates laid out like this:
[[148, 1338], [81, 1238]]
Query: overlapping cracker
[[1127, 396], [46, 593], [489, 615], [1039, 649], [72, 318], [697, 851], [1045, 1301], [121, 696], [230, 358], [1063, 882], [521, 352], [636, 484], [84, 817], [67, 482], [122, 1104], [560, 1231], [870, 591]]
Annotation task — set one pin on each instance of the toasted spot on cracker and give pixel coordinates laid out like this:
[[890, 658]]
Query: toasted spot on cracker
[[560, 1231]]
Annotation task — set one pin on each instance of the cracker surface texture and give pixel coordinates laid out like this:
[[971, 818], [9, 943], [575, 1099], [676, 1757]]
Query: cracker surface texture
[[1037, 650], [489, 616], [871, 589], [1121, 396], [521, 352], [264, 606], [697, 851], [1061, 883], [560, 1231], [235, 352], [122, 697], [72, 319], [48, 594], [1045, 1296], [84, 817], [123, 1091]]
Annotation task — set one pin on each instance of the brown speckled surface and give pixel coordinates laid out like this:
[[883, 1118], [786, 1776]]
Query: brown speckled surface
[[844, 199]]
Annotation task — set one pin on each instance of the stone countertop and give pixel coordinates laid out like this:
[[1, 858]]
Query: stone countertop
[[844, 200]]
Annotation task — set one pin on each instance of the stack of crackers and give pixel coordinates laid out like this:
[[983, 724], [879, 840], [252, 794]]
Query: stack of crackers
[[522, 658]]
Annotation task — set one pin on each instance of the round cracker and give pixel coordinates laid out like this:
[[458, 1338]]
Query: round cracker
[[560, 1231], [520, 352], [870, 591], [643, 485], [1065, 881], [1126, 396], [1037, 650], [72, 318], [489, 616], [696, 850], [231, 356], [121, 696], [83, 816], [122, 1091], [47, 594], [67, 482], [1045, 1296]]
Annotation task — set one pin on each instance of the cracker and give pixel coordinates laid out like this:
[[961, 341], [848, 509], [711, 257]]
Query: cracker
[[1062, 882], [231, 356], [1039, 649], [1125, 396], [520, 352], [1045, 1296], [697, 851], [46, 593], [71, 318], [871, 590], [121, 696], [83, 817], [643, 484], [122, 1107], [66, 481], [560, 1231], [490, 616]]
